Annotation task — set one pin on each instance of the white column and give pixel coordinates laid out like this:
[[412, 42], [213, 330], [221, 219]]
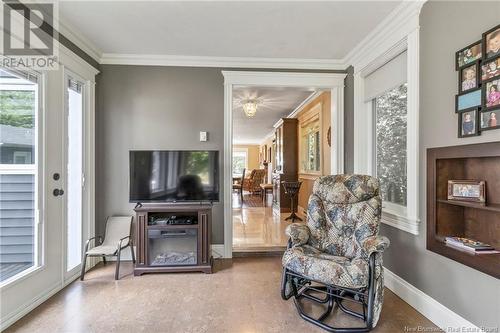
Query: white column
[[228, 170]]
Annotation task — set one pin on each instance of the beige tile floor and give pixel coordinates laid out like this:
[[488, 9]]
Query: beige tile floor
[[256, 227], [242, 298]]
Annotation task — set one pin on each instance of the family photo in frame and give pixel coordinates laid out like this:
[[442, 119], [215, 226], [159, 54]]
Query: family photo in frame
[[478, 100], [467, 190]]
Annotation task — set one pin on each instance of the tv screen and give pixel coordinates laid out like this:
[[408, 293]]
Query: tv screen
[[174, 176]]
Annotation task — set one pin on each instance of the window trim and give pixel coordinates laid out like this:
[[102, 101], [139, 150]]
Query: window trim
[[364, 144], [241, 150]]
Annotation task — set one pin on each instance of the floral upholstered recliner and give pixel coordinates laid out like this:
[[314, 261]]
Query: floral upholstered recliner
[[338, 249]]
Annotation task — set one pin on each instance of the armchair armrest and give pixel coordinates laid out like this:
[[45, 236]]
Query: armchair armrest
[[299, 233], [375, 244], [121, 241], [87, 243]]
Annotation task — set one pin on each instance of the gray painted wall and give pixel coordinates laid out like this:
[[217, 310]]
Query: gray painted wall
[[445, 28], [145, 107]]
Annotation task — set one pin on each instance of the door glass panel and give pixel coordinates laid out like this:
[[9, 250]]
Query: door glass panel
[[18, 173], [74, 174]]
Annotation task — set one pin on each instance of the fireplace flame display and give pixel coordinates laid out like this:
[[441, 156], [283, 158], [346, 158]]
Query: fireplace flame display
[[174, 258]]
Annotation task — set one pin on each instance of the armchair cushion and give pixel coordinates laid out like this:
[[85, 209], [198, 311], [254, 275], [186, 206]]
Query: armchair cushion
[[106, 250], [298, 233], [326, 268]]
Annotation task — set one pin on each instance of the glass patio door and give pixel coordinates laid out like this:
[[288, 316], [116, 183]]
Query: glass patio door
[[42, 190]]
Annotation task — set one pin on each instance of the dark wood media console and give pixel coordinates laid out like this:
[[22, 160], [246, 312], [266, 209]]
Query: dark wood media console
[[173, 238]]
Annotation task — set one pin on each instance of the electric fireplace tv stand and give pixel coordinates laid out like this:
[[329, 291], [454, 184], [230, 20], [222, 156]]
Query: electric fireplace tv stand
[[173, 238]]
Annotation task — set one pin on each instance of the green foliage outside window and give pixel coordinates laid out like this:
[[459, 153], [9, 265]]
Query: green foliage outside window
[[17, 108], [390, 112]]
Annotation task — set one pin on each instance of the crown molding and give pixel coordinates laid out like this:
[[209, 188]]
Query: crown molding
[[305, 102], [221, 62], [391, 31], [72, 34], [401, 21]]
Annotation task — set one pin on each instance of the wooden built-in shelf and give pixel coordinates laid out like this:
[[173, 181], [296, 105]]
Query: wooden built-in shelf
[[492, 207], [462, 218]]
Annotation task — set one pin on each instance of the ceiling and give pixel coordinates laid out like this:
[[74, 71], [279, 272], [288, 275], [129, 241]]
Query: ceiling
[[264, 29], [274, 103]]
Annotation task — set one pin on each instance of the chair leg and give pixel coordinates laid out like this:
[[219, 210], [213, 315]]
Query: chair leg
[[104, 260], [84, 262], [132, 252], [117, 272]]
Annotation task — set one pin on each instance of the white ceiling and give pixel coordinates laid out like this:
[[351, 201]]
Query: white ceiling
[[277, 29], [274, 103]]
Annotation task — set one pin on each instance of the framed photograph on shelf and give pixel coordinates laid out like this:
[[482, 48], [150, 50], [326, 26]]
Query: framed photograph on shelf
[[467, 190], [468, 55], [468, 78], [491, 43], [467, 101], [468, 124], [490, 120], [491, 94], [490, 69]]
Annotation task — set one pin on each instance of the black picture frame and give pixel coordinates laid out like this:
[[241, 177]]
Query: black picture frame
[[475, 116], [485, 46], [486, 63], [484, 91], [479, 57], [460, 77], [483, 112], [457, 110]]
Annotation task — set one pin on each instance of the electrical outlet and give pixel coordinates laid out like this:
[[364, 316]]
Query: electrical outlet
[[203, 136]]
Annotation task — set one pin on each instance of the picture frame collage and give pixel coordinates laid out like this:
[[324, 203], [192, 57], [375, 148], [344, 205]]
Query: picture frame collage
[[478, 100]]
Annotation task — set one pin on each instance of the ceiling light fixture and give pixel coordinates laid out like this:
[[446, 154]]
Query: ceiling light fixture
[[250, 107]]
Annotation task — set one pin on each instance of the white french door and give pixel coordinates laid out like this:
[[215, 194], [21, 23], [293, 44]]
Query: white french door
[[46, 182]]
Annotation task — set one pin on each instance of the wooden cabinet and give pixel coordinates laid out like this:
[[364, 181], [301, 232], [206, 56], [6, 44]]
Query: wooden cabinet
[[173, 238], [286, 169], [464, 219]]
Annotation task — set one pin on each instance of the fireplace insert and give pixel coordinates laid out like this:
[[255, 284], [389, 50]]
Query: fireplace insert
[[172, 246]]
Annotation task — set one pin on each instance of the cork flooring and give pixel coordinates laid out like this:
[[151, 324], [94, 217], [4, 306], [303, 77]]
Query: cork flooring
[[240, 297]]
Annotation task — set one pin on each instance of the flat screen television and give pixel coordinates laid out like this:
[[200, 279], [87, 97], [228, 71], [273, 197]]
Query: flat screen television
[[174, 176]]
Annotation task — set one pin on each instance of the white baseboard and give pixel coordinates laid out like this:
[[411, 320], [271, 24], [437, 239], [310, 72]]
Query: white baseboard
[[218, 251], [436, 312], [30, 305]]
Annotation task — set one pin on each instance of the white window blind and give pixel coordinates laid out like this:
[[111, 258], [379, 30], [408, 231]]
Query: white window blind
[[389, 76]]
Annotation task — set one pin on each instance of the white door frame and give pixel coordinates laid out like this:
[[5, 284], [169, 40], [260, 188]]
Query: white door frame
[[332, 81]]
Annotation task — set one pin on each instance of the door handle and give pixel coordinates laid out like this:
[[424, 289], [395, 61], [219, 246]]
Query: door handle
[[58, 192]]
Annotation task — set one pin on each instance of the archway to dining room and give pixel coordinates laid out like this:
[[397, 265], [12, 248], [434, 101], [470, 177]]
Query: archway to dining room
[[281, 129]]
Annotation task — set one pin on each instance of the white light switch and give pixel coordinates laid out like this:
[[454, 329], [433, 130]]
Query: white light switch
[[203, 136]]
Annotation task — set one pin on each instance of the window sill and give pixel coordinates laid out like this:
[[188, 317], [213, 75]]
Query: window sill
[[14, 280], [401, 222]]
